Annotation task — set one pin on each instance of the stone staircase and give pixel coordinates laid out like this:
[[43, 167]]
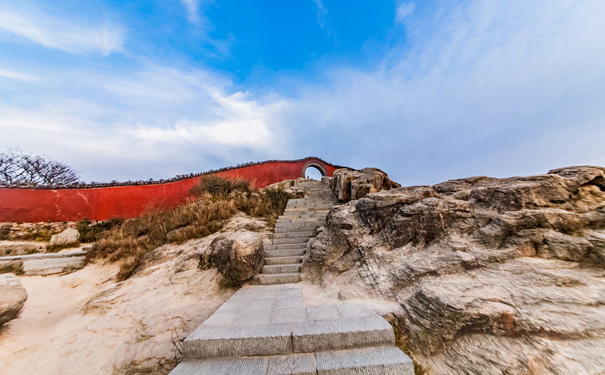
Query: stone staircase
[[268, 329], [293, 230]]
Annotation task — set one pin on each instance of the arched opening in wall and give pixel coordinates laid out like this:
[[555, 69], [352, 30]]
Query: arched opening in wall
[[313, 172]]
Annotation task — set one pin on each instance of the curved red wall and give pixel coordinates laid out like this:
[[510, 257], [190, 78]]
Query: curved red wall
[[36, 205]]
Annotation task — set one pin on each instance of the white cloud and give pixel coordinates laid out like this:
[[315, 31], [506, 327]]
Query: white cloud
[[322, 12], [403, 11], [60, 34], [153, 122], [475, 91], [17, 76], [193, 11]]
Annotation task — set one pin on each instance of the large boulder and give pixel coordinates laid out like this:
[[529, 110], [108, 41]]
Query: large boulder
[[238, 256], [67, 237], [348, 184], [482, 267], [12, 297]]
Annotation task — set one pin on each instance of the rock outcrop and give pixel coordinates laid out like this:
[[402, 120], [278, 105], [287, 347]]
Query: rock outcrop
[[498, 276], [68, 236], [350, 184], [129, 327], [238, 256], [12, 297]]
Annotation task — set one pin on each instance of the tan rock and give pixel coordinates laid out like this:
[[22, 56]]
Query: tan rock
[[238, 256], [498, 276], [12, 297], [68, 236], [350, 184]]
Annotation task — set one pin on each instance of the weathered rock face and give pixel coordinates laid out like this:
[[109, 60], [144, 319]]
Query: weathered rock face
[[238, 256], [12, 297], [498, 276], [348, 184], [68, 236]]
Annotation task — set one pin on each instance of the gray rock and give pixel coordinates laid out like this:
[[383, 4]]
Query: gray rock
[[238, 256], [513, 268], [12, 297], [348, 184]]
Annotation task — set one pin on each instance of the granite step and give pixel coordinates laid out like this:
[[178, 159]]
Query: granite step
[[284, 253], [302, 225], [301, 220], [283, 260], [281, 278], [383, 360], [304, 213], [288, 246], [294, 234], [294, 229], [307, 209], [290, 240], [342, 334], [281, 268], [227, 341]]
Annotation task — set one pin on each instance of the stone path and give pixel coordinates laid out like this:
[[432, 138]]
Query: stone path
[[292, 232], [269, 330]]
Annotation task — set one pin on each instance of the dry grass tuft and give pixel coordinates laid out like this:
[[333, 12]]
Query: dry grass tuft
[[213, 202]]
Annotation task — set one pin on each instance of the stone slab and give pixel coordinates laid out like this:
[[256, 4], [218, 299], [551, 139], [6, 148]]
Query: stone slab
[[282, 268], [227, 366], [294, 364], [300, 234], [283, 278], [211, 342], [341, 334], [353, 310], [324, 312], [283, 260], [290, 240], [284, 253], [289, 246], [288, 316], [386, 360]]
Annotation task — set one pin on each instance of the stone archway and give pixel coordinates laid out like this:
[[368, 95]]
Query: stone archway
[[314, 164]]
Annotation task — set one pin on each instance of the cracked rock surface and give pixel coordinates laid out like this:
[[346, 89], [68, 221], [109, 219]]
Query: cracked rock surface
[[498, 276]]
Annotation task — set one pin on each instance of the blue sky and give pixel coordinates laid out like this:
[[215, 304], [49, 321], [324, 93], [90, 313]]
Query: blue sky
[[426, 90]]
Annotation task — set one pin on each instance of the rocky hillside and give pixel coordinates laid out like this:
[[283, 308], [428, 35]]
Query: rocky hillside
[[86, 322], [493, 276]]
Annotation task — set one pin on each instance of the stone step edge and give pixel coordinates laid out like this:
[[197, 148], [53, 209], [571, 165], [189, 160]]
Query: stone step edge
[[288, 258], [288, 338], [377, 360]]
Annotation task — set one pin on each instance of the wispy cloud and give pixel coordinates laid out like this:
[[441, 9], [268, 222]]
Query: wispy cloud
[[322, 13], [152, 122], [403, 11], [477, 90], [17, 76], [193, 11], [64, 35]]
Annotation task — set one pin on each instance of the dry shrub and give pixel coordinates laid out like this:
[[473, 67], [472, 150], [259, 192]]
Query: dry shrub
[[219, 187], [214, 201], [90, 232]]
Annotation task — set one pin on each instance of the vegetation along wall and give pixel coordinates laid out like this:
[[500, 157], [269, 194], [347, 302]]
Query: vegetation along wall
[[105, 201]]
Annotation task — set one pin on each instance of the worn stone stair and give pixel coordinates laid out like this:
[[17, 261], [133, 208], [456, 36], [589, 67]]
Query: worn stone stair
[[293, 230], [268, 330]]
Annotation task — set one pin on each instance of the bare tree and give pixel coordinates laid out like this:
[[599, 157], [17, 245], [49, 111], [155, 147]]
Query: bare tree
[[18, 168]]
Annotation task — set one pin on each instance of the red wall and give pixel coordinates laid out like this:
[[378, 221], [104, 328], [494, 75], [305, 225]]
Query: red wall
[[36, 205]]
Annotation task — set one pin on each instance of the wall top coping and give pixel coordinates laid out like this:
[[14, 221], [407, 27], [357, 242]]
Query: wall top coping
[[162, 181]]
